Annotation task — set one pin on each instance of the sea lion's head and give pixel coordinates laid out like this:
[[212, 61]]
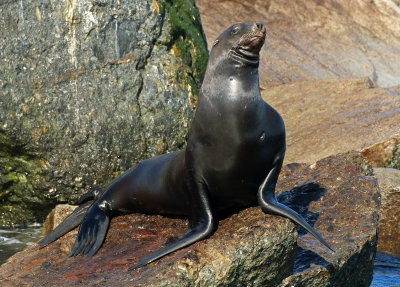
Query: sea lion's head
[[240, 43]]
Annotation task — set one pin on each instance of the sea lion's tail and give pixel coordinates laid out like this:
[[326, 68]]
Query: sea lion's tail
[[72, 220]]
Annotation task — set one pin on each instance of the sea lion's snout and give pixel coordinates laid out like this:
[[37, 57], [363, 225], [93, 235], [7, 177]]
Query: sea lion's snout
[[259, 30], [252, 40], [257, 35]]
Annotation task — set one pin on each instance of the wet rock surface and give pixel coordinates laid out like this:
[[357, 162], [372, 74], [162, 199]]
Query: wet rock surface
[[389, 232], [89, 88], [310, 40], [250, 248]]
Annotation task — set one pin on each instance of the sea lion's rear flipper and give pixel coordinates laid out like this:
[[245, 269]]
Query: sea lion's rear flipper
[[69, 223], [72, 220], [92, 232], [201, 225], [268, 203]]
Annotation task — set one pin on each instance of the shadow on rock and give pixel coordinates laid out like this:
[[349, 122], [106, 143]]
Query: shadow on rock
[[299, 198], [305, 258]]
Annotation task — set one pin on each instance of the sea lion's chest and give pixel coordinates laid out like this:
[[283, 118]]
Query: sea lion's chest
[[236, 147], [234, 175]]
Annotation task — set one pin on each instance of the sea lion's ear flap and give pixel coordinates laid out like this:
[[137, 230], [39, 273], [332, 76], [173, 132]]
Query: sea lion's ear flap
[[216, 42]]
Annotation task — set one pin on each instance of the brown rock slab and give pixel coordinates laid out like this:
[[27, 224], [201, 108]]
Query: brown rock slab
[[340, 196], [250, 248], [309, 40], [389, 220], [328, 117]]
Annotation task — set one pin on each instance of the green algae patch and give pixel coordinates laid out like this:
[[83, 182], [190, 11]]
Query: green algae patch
[[188, 42], [22, 188], [395, 160]]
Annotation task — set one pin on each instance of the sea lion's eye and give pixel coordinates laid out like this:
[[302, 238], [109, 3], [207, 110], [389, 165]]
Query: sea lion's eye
[[235, 30], [215, 43]]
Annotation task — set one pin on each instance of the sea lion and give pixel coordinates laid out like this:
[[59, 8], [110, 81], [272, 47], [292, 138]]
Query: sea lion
[[233, 158]]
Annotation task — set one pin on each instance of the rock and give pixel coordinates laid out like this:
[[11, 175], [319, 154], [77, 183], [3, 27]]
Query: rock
[[385, 156], [340, 196], [389, 215], [309, 40], [328, 117], [88, 89], [385, 153], [56, 216], [250, 248]]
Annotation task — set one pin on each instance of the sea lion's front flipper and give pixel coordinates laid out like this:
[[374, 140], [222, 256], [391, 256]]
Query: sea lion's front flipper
[[268, 202], [201, 225], [92, 232]]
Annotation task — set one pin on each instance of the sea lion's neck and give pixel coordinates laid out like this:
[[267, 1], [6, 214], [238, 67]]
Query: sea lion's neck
[[229, 78]]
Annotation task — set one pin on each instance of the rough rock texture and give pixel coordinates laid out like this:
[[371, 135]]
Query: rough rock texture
[[389, 219], [327, 117], [56, 216], [310, 40], [385, 153], [344, 201], [249, 248], [89, 88]]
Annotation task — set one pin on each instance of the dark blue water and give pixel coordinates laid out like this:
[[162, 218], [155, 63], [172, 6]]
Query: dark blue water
[[386, 271], [12, 240]]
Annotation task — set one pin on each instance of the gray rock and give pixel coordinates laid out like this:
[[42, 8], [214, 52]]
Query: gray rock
[[88, 89]]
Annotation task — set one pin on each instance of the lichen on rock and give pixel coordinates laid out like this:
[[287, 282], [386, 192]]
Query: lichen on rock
[[385, 153]]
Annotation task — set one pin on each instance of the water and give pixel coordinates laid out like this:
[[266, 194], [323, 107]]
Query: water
[[386, 271], [12, 240]]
